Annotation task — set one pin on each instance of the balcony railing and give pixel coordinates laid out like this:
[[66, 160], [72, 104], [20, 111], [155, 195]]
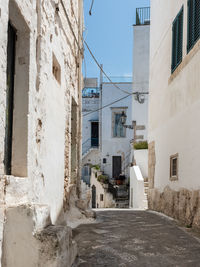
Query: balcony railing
[[143, 16], [91, 92]]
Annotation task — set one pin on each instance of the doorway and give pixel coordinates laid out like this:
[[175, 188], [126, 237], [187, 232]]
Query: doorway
[[11, 51], [116, 166], [94, 134], [94, 197]]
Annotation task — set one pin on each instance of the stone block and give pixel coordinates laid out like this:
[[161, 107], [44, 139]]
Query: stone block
[[25, 243]]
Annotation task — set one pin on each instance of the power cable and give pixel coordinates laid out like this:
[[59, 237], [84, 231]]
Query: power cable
[[97, 63], [90, 12], [106, 106], [126, 92], [136, 93]]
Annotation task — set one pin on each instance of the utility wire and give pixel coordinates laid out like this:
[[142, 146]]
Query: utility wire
[[81, 51], [126, 92], [90, 12], [97, 63], [106, 106], [136, 93]]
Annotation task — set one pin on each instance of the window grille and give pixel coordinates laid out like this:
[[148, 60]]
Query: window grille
[[177, 40], [193, 23]]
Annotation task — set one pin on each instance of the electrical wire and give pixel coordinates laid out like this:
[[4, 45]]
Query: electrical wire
[[135, 93], [106, 105], [84, 41], [97, 63], [90, 12]]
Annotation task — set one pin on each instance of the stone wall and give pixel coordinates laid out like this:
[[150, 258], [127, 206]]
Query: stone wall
[[183, 205]]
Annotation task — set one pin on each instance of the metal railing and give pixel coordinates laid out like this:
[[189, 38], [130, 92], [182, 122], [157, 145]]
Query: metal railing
[[143, 16], [90, 143], [91, 92]]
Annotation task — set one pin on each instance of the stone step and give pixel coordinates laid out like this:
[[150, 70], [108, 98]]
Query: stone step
[[146, 179], [146, 184]]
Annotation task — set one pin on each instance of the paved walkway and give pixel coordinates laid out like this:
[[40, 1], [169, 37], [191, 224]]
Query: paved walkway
[[135, 238]]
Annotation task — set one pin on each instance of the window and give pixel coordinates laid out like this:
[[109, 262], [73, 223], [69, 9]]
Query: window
[[104, 160], [118, 129], [177, 40], [193, 23], [174, 167], [101, 197]]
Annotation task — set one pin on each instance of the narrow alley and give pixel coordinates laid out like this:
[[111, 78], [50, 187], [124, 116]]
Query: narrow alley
[[135, 238]]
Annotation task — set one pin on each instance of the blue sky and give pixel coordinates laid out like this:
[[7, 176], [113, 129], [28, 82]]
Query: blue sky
[[109, 34]]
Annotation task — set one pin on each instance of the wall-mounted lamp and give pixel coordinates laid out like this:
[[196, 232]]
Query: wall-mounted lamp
[[123, 121]]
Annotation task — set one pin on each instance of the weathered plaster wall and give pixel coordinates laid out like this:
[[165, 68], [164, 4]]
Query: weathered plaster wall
[[49, 103], [174, 107], [113, 146], [101, 189], [42, 124]]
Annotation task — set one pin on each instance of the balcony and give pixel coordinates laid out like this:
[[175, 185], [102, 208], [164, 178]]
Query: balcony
[[143, 16]]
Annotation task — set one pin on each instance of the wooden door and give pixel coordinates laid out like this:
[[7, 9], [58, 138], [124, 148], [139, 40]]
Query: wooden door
[[94, 197], [116, 166]]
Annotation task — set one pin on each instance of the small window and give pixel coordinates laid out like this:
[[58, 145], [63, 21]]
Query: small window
[[193, 23], [177, 40], [56, 70], [118, 129], [101, 197], [174, 167], [104, 160]]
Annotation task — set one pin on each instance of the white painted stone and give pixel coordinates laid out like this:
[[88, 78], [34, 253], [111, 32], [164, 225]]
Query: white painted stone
[[137, 197]]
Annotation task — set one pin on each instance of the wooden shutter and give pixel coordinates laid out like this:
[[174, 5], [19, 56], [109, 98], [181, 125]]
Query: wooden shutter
[[177, 40], [193, 23]]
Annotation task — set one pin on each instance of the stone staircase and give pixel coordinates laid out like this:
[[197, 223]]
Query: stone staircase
[[122, 197], [146, 188]]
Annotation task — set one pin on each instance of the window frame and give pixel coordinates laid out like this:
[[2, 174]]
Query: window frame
[[177, 31], [114, 113], [173, 157]]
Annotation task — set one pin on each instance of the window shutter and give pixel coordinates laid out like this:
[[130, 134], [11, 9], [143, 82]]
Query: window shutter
[[180, 38], [193, 23], [177, 40], [196, 20]]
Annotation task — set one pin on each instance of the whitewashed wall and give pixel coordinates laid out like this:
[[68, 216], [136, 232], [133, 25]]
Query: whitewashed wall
[[113, 146], [49, 103], [141, 47], [174, 100]]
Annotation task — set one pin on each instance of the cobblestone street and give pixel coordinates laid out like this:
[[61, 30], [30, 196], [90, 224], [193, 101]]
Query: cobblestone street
[[135, 238]]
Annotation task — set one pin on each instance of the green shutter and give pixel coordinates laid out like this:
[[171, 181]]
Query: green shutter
[[177, 40], [193, 23]]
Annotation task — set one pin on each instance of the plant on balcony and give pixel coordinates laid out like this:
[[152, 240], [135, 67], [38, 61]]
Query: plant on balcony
[[141, 145], [103, 179]]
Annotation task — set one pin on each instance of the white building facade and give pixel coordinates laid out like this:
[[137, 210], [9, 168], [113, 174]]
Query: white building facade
[[141, 54], [115, 139], [40, 129], [174, 108]]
